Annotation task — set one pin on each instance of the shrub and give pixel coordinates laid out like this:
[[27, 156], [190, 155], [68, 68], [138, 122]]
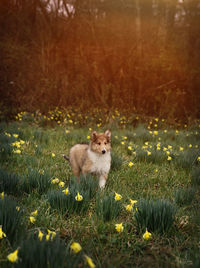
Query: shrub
[[154, 157], [86, 183], [51, 253], [10, 218], [107, 208], [186, 159], [36, 181], [184, 196], [8, 182], [116, 161], [195, 177], [41, 136], [156, 215], [5, 147]]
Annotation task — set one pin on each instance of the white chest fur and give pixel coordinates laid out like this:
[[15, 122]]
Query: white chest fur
[[100, 163]]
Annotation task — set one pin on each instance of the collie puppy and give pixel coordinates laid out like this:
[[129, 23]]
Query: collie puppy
[[93, 158]]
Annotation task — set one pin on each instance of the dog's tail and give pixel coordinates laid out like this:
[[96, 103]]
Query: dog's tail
[[66, 157]]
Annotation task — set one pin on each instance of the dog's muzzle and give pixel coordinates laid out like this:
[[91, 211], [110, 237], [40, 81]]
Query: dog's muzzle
[[103, 151]]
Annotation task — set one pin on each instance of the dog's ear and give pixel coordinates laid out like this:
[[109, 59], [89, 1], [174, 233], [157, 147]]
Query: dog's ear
[[94, 136], [108, 134]]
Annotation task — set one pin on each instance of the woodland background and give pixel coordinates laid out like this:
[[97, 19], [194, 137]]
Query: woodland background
[[138, 55]]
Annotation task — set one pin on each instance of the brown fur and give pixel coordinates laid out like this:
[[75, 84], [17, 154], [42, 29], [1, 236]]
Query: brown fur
[[92, 158]]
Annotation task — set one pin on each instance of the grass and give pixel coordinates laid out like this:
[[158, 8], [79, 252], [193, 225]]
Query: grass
[[167, 203]]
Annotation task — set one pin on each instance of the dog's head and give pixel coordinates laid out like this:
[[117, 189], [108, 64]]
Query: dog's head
[[101, 142]]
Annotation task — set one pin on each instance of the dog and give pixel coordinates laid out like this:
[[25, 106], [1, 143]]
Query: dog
[[92, 158]]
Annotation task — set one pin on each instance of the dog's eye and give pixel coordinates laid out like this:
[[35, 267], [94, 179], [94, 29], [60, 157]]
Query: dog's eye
[[99, 143], [105, 143]]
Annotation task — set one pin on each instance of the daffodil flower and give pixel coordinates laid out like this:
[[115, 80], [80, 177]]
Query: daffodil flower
[[89, 262], [117, 197], [2, 234], [34, 213], [148, 153], [61, 184], [147, 235], [169, 158], [17, 151], [75, 247], [40, 235], [15, 135], [78, 197], [119, 227], [32, 219], [129, 207], [133, 202], [130, 164], [54, 181], [2, 195], [198, 158], [53, 155], [13, 257], [51, 234], [66, 191]]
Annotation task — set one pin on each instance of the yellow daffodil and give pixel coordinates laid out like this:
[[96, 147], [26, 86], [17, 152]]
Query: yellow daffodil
[[119, 227], [133, 202], [130, 164], [61, 184], [88, 137], [17, 208], [55, 180], [117, 197], [155, 132], [67, 131], [7, 134], [40, 235], [2, 234], [53, 155], [122, 142], [147, 235], [148, 153], [130, 148], [75, 247], [90, 262], [15, 135], [190, 145], [51, 234], [13, 257], [78, 197], [32, 219], [156, 170], [34, 213], [66, 191], [22, 142], [41, 171], [17, 151], [181, 148], [129, 207], [198, 158], [169, 158], [2, 195]]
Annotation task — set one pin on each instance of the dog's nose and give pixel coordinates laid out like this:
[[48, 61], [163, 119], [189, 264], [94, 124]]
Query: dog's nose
[[103, 151]]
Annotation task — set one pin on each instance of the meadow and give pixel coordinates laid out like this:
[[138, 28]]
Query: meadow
[[147, 216]]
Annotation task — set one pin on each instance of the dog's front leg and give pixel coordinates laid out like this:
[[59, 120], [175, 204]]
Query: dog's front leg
[[102, 180]]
